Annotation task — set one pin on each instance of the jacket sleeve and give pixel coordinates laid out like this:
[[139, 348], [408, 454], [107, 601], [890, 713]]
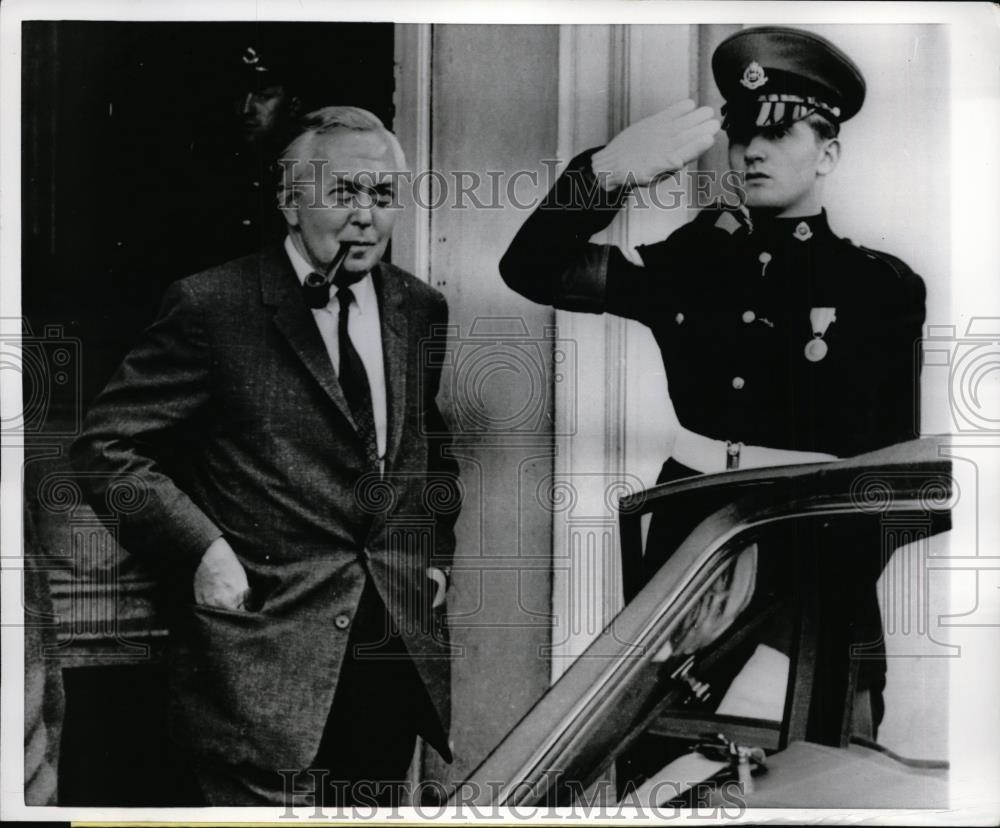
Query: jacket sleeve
[[444, 492], [158, 392], [551, 260]]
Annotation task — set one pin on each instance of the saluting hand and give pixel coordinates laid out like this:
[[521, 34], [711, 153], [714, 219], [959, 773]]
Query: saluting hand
[[220, 580], [656, 146]]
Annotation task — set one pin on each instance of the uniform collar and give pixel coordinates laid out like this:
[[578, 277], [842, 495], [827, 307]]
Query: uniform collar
[[798, 228], [364, 289]]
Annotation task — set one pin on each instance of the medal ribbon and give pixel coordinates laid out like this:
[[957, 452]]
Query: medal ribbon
[[820, 319]]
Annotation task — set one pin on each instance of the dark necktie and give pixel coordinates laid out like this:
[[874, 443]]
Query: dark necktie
[[352, 375]]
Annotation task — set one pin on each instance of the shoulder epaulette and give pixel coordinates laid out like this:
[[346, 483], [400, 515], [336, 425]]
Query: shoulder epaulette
[[906, 284], [898, 266]]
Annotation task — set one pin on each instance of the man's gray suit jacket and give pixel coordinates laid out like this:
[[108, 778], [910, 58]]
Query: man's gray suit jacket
[[227, 419]]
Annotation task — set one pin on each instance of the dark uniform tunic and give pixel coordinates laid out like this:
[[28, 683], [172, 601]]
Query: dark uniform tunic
[[729, 298], [728, 301]]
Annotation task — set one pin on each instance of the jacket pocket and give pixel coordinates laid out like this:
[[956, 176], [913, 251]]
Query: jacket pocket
[[250, 687]]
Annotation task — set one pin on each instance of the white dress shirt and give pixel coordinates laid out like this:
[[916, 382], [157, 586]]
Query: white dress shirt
[[363, 327]]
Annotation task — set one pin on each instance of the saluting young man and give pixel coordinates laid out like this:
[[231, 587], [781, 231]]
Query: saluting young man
[[782, 341]]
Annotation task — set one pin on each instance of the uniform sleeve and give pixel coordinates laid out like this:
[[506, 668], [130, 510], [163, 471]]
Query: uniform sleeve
[[159, 391], [893, 413], [552, 261]]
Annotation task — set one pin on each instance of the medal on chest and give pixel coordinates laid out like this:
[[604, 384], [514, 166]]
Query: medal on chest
[[819, 320]]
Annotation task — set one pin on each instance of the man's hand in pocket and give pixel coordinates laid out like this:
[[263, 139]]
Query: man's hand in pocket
[[220, 580]]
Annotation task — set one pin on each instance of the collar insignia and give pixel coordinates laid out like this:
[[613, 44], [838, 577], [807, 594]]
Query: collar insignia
[[802, 231], [753, 76]]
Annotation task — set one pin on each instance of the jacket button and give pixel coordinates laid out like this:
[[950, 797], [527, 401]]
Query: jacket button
[[679, 319], [749, 316], [738, 383], [342, 621]]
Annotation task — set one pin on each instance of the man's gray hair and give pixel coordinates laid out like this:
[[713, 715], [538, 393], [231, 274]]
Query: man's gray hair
[[324, 121]]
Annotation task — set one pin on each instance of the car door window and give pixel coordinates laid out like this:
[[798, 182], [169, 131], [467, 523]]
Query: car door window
[[723, 665], [733, 650]]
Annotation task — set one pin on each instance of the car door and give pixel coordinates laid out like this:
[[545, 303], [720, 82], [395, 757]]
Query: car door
[[746, 641]]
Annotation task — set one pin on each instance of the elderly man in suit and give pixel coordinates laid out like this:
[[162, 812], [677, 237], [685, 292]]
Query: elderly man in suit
[[294, 485]]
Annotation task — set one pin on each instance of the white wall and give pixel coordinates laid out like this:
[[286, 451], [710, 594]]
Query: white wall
[[612, 413], [493, 102]]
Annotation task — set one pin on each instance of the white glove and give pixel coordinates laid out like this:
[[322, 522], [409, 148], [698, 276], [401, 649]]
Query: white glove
[[656, 146]]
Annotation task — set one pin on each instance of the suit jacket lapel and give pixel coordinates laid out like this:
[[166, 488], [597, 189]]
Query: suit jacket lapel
[[279, 288], [395, 351]]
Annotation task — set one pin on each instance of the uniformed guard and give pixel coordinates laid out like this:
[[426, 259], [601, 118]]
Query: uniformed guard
[[782, 342], [235, 163]]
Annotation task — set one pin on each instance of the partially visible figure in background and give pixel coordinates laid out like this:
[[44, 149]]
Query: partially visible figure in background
[[232, 189]]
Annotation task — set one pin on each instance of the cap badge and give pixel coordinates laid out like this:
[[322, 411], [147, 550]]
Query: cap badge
[[802, 231], [753, 76], [252, 59]]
